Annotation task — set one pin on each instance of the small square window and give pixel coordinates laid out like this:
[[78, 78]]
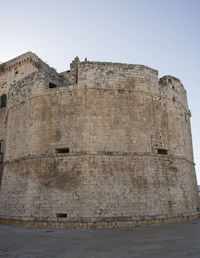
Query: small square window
[[1, 147], [162, 151], [61, 215], [3, 101], [1, 151], [63, 150], [52, 85]]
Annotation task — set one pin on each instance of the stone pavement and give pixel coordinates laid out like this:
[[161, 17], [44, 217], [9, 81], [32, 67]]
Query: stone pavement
[[169, 240]]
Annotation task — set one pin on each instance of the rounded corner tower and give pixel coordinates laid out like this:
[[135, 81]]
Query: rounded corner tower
[[103, 144]]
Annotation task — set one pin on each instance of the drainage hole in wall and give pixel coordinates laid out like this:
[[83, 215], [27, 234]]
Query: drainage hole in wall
[[62, 150], [162, 151], [61, 215]]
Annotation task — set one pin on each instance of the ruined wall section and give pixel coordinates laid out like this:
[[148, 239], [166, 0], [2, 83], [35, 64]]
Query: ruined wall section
[[72, 75]]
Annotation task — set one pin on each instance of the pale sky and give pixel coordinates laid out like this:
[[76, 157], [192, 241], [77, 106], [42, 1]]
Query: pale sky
[[162, 34]]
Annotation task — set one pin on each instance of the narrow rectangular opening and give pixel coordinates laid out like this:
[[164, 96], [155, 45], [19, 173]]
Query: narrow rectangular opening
[[62, 150], [1, 147], [3, 101], [162, 151], [61, 215], [52, 85], [1, 151]]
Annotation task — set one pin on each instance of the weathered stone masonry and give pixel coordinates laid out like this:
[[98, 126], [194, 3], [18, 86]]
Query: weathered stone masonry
[[103, 144]]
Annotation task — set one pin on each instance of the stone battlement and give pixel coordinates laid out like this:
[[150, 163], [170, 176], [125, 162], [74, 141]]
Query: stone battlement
[[122, 65]]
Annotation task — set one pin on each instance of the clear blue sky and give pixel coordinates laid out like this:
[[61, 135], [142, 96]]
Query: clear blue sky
[[162, 34]]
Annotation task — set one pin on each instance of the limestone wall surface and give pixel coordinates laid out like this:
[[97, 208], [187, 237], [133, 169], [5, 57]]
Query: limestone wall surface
[[100, 141], [91, 187]]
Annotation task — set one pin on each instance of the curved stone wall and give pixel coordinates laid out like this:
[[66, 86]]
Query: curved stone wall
[[93, 187], [115, 146]]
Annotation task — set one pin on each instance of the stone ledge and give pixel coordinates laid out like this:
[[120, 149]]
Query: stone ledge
[[103, 223], [100, 153]]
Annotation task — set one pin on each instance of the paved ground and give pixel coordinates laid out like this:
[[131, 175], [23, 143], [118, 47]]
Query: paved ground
[[170, 240]]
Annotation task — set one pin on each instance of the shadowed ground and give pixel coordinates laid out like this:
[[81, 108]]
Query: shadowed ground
[[169, 240]]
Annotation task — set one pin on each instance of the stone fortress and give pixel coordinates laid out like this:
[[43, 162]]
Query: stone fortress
[[103, 144]]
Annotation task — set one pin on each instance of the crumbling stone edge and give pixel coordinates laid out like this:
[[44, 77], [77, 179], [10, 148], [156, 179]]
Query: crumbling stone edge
[[99, 222]]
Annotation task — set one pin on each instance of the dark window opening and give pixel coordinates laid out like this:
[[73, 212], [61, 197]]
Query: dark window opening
[[61, 215], [63, 150], [1, 151], [162, 151], [16, 72], [52, 85], [3, 100]]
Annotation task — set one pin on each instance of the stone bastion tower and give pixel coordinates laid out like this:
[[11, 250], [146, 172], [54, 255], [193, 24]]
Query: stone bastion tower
[[103, 144]]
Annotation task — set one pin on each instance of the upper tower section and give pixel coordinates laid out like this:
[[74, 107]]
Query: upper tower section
[[86, 74], [17, 69], [116, 76], [171, 87], [26, 76], [131, 77]]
